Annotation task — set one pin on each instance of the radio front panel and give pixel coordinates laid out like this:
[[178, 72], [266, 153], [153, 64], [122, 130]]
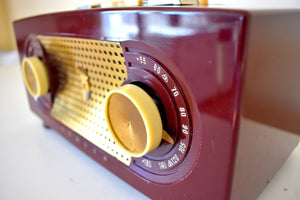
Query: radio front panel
[[151, 93]]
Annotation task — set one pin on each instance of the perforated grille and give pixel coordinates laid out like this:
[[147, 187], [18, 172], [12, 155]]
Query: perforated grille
[[103, 64]]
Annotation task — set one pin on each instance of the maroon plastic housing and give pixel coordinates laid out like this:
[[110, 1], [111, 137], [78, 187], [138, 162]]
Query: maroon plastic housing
[[203, 50]]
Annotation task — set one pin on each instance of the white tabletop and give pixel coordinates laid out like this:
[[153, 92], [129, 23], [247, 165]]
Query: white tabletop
[[38, 163]]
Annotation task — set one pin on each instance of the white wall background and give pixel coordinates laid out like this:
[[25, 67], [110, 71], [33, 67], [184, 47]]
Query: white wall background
[[258, 3]]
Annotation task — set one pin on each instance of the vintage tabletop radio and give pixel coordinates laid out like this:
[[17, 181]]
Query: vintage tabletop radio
[[164, 96]]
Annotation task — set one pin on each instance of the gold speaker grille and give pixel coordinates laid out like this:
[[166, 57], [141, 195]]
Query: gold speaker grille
[[87, 71]]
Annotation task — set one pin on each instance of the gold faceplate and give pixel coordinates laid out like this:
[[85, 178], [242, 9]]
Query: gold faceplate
[[105, 68]]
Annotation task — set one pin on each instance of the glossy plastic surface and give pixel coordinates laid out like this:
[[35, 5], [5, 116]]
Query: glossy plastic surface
[[202, 50]]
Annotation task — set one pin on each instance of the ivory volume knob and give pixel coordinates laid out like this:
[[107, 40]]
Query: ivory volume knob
[[36, 76]]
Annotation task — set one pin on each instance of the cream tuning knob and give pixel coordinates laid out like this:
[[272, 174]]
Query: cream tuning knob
[[133, 120], [36, 76]]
